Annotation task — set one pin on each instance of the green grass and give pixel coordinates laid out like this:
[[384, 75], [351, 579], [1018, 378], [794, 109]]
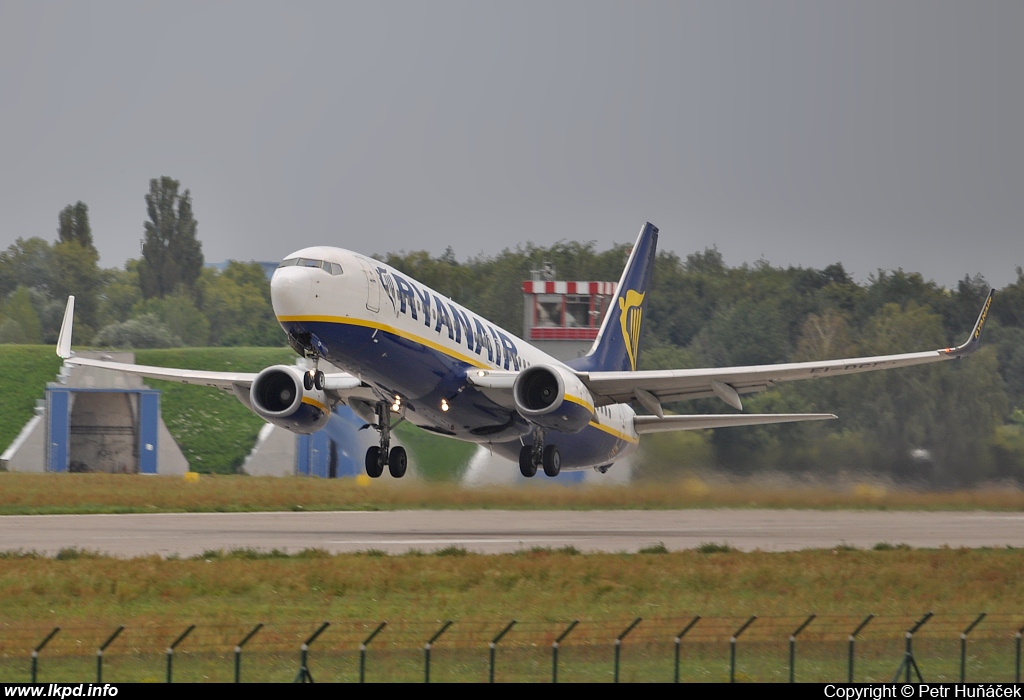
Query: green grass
[[213, 429], [37, 494], [437, 458], [524, 655], [24, 372], [227, 593]]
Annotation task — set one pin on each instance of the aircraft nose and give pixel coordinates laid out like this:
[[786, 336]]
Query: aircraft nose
[[290, 288]]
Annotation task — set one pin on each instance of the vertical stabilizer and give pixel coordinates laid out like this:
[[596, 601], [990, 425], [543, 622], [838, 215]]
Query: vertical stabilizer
[[617, 347]]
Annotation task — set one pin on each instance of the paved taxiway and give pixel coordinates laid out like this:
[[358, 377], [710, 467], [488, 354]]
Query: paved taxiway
[[492, 531]]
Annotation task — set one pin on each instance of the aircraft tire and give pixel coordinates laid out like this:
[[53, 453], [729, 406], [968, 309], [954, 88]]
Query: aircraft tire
[[307, 381], [374, 464], [552, 461], [318, 381], [398, 461], [526, 466]]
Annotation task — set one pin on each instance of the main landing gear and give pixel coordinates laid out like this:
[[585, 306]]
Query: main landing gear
[[313, 379], [395, 458], [538, 455]]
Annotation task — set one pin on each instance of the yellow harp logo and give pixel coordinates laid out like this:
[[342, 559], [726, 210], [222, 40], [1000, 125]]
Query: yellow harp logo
[[629, 318]]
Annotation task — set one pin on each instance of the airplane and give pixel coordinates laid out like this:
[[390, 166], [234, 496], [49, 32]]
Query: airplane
[[410, 353]]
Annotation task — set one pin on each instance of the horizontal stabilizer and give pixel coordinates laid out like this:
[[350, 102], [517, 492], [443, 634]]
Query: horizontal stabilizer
[[653, 424]]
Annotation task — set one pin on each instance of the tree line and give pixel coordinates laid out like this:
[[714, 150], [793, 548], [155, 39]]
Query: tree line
[[164, 298], [951, 423]]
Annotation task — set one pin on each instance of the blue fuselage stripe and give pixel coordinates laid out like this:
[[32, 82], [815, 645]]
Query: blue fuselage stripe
[[423, 376]]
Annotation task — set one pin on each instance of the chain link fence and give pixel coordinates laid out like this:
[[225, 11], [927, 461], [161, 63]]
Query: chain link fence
[[691, 648]]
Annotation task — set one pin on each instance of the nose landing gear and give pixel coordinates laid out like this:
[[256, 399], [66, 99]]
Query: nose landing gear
[[314, 379]]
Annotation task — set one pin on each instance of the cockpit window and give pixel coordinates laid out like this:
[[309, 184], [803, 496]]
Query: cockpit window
[[332, 268]]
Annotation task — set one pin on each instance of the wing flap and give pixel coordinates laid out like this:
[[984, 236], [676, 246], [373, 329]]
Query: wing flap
[[653, 424], [680, 384]]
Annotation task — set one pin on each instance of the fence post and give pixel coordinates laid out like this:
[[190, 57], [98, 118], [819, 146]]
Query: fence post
[[238, 652], [732, 647], [170, 649], [494, 647], [35, 652], [963, 646], [618, 644], [554, 650], [362, 651], [792, 647], [103, 648], [853, 637], [908, 655], [426, 650], [1017, 674], [304, 676], [679, 640]]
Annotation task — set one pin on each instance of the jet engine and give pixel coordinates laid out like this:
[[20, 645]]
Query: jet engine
[[553, 398], [279, 396]]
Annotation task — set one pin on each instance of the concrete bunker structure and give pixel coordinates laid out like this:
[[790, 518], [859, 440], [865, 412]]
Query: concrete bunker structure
[[96, 420]]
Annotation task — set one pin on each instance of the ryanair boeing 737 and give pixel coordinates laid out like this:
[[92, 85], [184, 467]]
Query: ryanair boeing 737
[[410, 353]]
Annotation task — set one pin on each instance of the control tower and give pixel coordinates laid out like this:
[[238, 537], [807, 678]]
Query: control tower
[[562, 318]]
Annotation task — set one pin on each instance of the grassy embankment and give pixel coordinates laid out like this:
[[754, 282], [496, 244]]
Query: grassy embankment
[[28, 494], [227, 595], [24, 372], [214, 430]]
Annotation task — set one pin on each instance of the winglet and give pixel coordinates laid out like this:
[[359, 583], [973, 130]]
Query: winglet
[[973, 341], [64, 339]]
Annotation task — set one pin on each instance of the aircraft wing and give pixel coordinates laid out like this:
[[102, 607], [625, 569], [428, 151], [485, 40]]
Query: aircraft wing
[[339, 386], [653, 388], [654, 424], [219, 380]]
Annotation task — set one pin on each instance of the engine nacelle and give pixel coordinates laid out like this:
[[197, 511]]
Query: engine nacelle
[[278, 396], [553, 398]]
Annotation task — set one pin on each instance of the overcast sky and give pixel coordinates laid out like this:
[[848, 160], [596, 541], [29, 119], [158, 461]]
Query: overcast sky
[[879, 134]]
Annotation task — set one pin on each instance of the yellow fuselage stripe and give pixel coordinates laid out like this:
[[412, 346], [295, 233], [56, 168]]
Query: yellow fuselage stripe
[[614, 433], [349, 321], [475, 362]]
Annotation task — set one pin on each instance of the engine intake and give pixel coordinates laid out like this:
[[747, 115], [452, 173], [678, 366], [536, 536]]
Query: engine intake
[[553, 398], [278, 396]]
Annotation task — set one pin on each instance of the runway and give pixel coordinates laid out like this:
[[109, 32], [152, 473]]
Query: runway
[[494, 531]]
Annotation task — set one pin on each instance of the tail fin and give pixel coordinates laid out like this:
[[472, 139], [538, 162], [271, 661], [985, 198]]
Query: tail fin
[[617, 346]]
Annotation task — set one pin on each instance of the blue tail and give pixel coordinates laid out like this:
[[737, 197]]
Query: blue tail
[[617, 347]]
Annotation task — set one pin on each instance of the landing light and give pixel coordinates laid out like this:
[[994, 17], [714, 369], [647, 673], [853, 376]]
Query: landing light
[[397, 405], [444, 404]]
